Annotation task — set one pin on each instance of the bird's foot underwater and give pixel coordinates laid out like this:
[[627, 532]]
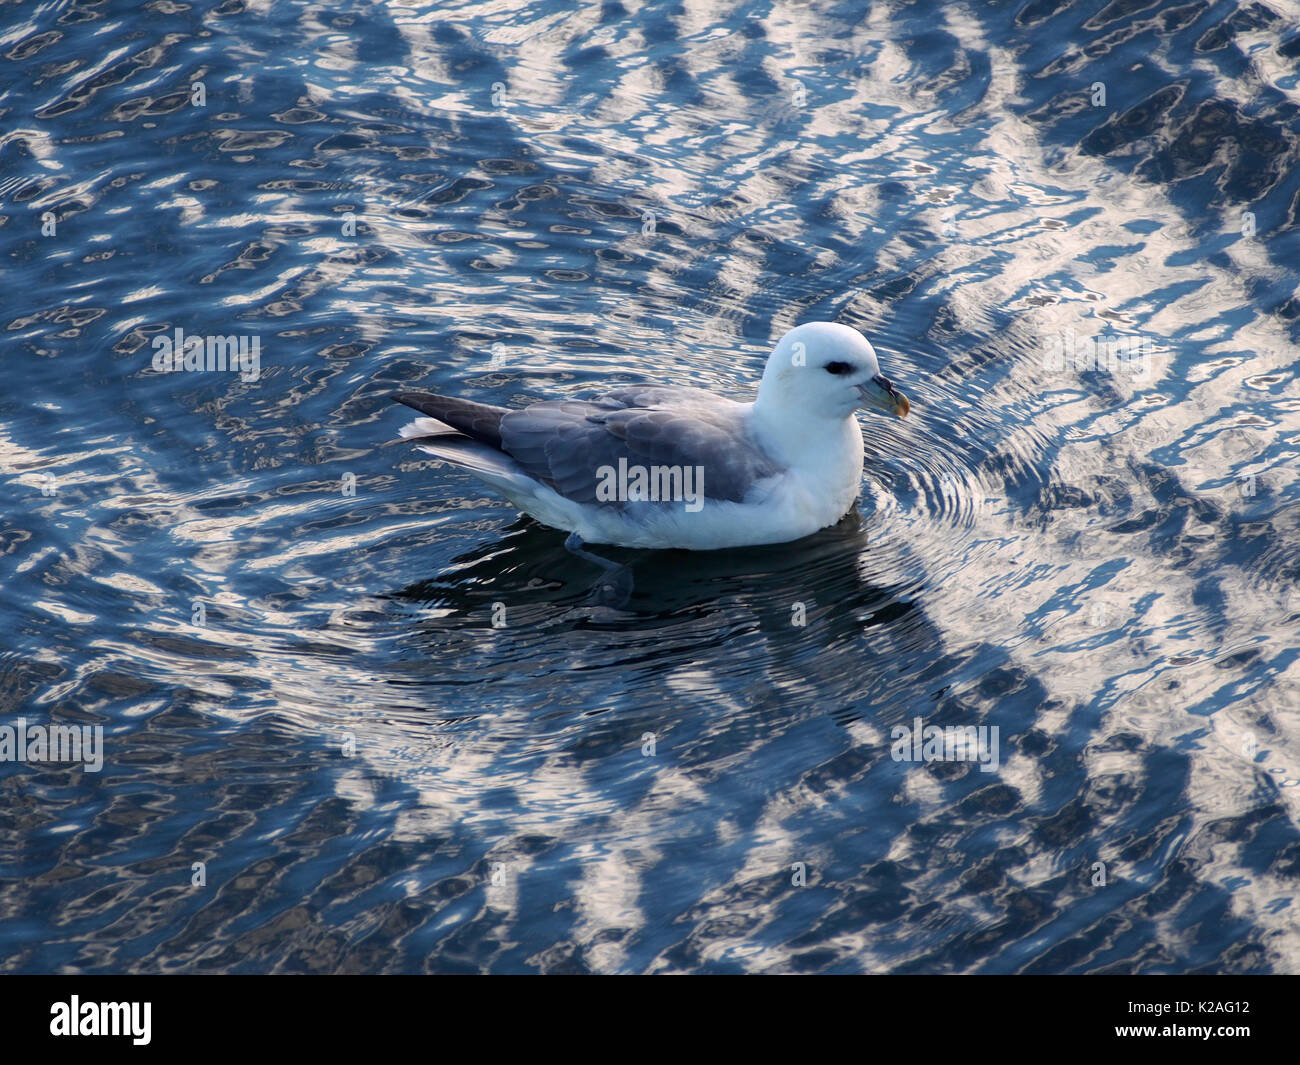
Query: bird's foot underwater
[[614, 589]]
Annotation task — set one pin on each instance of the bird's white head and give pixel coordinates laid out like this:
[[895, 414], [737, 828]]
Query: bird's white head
[[826, 370]]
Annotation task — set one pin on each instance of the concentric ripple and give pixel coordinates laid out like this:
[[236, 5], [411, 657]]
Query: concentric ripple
[[404, 730]]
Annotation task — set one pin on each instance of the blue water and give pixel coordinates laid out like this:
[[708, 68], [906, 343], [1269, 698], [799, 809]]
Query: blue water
[[359, 715]]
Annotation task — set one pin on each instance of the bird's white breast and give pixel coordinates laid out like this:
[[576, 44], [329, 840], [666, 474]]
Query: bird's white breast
[[795, 503]]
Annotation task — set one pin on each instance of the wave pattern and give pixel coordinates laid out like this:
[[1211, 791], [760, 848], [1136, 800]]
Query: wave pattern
[[391, 720]]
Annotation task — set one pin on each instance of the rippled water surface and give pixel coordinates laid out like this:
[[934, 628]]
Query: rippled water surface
[[389, 715]]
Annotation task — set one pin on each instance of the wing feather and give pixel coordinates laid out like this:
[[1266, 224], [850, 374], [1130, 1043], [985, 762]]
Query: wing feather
[[565, 443]]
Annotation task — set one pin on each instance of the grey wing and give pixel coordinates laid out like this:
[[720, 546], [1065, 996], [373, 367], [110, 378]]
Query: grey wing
[[565, 443]]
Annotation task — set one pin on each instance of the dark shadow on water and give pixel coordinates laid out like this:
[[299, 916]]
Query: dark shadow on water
[[830, 624], [528, 564]]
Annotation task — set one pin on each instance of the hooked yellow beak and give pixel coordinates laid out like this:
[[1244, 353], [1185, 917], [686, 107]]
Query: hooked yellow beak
[[880, 392]]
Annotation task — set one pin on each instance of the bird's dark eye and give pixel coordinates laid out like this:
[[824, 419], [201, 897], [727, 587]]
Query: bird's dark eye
[[838, 367]]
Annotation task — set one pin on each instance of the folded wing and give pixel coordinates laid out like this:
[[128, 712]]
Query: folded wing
[[566, 443]]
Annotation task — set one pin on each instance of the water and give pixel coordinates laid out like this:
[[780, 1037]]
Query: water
[[285, 626]]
